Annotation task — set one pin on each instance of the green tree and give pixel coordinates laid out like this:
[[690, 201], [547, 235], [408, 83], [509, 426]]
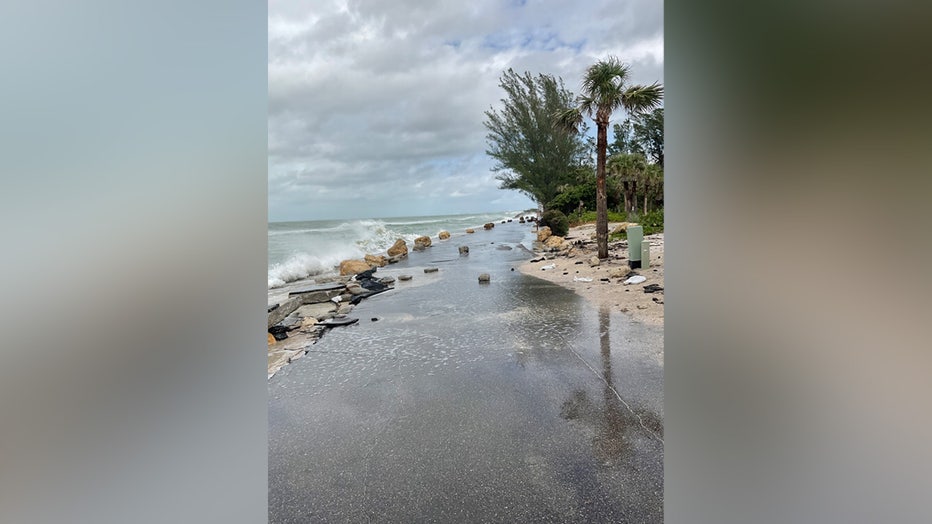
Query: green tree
[[628, 169], [605, 88], [533, 155], [652, 184], [648, 135], [624, 141], [642, 133]]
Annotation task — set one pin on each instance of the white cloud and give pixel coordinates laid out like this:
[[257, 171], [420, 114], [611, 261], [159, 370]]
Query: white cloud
[[376, 108]]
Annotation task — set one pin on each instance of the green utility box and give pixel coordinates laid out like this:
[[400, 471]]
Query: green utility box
[[635, 238]]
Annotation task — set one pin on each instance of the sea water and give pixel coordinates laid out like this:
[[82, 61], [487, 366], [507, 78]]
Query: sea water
[[299, 250]]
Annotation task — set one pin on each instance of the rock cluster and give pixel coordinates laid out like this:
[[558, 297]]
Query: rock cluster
[[296, 323]]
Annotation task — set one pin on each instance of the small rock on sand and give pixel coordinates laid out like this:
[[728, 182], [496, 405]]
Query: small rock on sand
[[484, 277], [431, 269], [404, 277]]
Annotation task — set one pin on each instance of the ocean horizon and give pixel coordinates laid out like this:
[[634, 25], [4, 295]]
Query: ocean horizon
[[302, 249]]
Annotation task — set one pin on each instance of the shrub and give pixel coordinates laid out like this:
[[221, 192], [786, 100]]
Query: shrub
[[568, 200], [557, 221], [577, 219]]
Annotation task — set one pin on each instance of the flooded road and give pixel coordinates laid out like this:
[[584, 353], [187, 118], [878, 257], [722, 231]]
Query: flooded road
[[512, 401]]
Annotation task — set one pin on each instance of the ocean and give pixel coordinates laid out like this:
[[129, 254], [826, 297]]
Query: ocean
[[299, 250]]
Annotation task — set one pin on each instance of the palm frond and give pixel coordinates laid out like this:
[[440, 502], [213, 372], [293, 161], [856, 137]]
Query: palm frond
[[637, 99], [569, 120]]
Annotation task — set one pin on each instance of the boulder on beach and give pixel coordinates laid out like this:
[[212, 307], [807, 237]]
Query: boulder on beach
[[554, 241], [543, 234], [421, 242], [594, 261], [400, 247], [353, 266], [620, 272], [470, 230], [484, 277], [489, 225], [464, 250], [622, 228], [404, 277], [376, 260], [443, 235], [431, 269]]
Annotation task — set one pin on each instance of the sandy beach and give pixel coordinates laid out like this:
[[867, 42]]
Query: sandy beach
[[572, 263]]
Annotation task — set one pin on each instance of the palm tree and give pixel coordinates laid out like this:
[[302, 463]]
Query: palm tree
[[628, 169], [604, 89]]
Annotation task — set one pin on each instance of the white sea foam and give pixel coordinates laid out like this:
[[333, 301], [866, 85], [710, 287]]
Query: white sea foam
[[298, 266], [316, 248]]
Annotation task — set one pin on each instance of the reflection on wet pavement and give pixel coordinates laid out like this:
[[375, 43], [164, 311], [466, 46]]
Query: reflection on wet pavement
[[506, 402]]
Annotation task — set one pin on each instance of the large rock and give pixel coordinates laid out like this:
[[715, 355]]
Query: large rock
[[376, 260], [594, 261], [623, 227], [470, 230], [399, 248], [484, 277], [421, 242], [464, 250], [554, 241], [543, 234], [489, 225], [443, 235], [353, 266]]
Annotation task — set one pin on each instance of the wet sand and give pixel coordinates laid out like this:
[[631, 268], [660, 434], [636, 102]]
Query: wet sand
[[614, 294], [511, 401]]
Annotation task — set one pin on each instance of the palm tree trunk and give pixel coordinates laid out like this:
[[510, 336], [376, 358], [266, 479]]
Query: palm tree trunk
[[645, 201], [601, 201]]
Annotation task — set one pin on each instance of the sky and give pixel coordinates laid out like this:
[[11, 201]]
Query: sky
[[376, 106]]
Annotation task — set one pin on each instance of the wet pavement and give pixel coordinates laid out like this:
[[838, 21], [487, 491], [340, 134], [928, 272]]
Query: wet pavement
[[512, 401]]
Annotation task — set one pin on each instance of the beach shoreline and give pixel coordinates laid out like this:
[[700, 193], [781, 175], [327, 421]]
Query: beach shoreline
[[572, 263]]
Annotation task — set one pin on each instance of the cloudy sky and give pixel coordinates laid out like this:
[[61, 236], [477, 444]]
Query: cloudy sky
[[376, 106]]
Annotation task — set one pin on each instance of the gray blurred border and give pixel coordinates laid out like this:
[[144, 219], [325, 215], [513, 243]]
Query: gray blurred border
[[797, 358], [133, 215]]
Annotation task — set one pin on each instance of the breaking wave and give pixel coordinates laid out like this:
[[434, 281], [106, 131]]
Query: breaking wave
[[301, 250]]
